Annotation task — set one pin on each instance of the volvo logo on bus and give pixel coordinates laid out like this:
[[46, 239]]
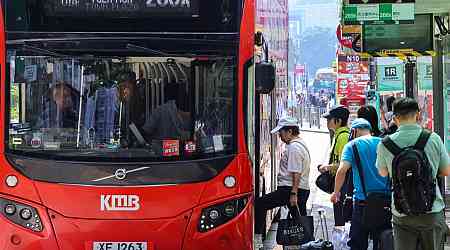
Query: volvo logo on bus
[[110, 202], [120, 174]]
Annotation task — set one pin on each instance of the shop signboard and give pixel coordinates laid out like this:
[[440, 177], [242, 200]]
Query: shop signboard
[[379, 13], [299, 69], [352, 37], [390, 77], [356, 84], [353, 64]]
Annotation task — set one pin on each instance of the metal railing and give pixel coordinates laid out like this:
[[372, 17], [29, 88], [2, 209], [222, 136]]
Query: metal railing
[[310, 117]]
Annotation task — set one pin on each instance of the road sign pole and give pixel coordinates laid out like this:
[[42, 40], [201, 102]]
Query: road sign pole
[[410, 79]]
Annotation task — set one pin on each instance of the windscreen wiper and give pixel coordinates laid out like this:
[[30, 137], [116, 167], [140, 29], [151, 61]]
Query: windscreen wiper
[[131, 46], [41, 50]]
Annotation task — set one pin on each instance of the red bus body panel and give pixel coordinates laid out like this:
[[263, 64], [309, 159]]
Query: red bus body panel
[[168, 216], [75, 234]]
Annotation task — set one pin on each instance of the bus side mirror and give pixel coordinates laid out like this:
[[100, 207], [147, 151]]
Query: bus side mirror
[[264, 77]]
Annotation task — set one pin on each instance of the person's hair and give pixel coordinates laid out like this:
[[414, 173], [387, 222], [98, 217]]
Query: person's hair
[[389, 103], [129, 76], [294, 129], [176, 92], [343, 119], [61, 86], [405, 107], [370, 114]]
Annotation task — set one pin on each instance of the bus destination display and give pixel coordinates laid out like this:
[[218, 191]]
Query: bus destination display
[[122, 8]]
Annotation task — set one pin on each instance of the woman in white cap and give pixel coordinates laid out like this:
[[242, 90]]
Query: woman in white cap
[[293, 177]]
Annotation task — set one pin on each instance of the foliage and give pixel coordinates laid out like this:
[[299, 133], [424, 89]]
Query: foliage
[[317, 49]]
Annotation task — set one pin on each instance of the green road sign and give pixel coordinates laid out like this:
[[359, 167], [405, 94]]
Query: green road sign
[[378, 13]]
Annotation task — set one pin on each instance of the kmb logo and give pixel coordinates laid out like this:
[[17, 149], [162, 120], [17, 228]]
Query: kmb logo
[[119, 202]]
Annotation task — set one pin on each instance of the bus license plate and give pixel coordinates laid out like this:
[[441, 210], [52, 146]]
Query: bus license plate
[[121, 246]]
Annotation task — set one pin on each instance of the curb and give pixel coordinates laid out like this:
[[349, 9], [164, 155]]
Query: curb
[[314, 131]]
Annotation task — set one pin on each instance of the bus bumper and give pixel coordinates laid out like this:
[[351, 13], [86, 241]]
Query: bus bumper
[[170, 234]]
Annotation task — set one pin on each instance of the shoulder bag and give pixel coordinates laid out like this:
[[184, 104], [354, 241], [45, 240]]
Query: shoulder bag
[[325, 181], [377, 212]]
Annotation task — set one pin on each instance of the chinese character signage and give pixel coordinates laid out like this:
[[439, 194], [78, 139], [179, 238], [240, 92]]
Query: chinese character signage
[[122, 8], [378, 13], [171, 148], [353, 64], [380, 1], [390, 77], [299, 69], [352, 83]]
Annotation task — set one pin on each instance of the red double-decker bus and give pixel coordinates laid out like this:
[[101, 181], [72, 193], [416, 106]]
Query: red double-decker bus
[[128, 124]]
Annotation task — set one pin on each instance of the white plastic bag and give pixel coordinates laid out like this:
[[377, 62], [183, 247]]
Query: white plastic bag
[[340, 237]]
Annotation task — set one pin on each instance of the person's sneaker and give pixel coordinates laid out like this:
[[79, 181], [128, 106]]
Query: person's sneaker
[[258, 242]]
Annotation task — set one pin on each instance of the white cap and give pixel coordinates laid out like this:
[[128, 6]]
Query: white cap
[[285, 122]]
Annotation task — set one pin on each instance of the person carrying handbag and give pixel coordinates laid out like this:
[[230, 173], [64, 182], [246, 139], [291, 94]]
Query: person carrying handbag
[[293, 177], [372, 191]]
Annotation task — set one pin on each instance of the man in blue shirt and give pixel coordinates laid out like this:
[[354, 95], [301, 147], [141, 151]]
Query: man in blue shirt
[[367, 148]]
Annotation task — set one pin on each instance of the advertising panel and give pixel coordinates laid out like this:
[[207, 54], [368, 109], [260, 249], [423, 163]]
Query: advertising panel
[[352, 37], [425, 73], [447, 96], [353, 64], [352, 84], [390, 77]]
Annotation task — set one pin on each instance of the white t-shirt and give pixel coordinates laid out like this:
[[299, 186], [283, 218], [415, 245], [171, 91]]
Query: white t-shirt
[[295, 159]]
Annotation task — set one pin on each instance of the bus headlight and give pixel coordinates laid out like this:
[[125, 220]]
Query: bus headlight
[[220, 214], [26, 214], [10, 209], [21, 214]]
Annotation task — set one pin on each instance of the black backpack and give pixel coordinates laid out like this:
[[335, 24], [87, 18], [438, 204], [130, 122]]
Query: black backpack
[[413, 183]]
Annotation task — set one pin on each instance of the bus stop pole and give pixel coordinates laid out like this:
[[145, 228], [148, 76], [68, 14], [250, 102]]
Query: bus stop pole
[[438, 98], [410, 79]]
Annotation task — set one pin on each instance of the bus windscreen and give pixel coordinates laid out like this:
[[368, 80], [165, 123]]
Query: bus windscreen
[[113, 107]]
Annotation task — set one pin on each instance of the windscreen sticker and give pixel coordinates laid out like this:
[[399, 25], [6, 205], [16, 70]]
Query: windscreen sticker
[[52, 145], [17, 141], [36, 142], [171, 148], [30, 73], [190, 147], [218, 143]]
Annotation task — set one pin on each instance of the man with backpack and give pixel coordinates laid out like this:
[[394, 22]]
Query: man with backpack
[[414, 158], [360, 156]]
